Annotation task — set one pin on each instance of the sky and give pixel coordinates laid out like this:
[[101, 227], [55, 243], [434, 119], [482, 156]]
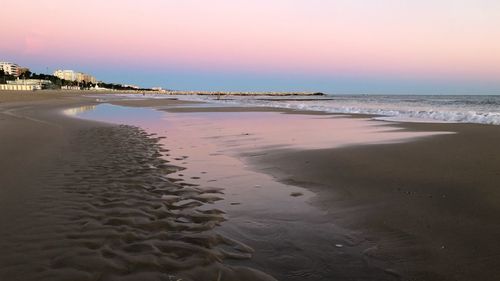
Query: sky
[[332, 46]]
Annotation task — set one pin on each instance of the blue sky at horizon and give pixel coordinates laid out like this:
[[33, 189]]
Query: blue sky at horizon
[[334, 46]]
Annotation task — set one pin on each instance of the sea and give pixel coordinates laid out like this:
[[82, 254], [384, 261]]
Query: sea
[[408, 108]]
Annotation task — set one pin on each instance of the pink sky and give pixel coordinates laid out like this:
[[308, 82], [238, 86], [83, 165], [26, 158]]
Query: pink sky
[[446, 38]]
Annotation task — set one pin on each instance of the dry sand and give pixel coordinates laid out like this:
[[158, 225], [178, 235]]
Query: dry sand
[[83, 200]]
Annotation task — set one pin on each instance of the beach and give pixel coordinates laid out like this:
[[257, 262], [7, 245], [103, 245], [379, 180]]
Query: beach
[[431, 204], [122, 197], [85, 200]]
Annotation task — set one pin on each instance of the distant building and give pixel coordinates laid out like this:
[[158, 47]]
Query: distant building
[[70, 88], [78, 77], [97, 88], [69, 75], [130, 86], [19, 87], [89, 78], [72, 75], [25, 85], [9, 68], [157, 88]]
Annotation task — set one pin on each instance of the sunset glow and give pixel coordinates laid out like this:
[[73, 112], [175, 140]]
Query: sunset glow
[[325, 45]]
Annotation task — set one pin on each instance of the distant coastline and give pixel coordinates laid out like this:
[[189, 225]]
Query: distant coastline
[[13, 77], [232, 93]]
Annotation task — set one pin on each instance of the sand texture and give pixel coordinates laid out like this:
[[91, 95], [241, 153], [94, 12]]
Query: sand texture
[[84, 200], [428, 207]]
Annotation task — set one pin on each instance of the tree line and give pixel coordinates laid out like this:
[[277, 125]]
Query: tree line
[[4, 77], [57, 82]]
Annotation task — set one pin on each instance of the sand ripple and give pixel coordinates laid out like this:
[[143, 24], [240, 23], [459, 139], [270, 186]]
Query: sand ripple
[[110, 212]]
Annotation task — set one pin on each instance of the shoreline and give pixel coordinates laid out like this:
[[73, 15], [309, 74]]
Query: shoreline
[[170, 92], [98, 204], [425, 208], [258, 207], [429, 206]]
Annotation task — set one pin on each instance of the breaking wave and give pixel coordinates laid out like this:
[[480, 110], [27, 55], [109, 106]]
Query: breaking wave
[[456, 109]]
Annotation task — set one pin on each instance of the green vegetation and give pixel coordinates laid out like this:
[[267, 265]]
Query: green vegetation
[[119, 87], [5, 77], [57, 82]]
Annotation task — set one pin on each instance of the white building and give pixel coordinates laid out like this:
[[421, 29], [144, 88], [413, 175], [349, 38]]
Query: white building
[[19, 87], [9, 68], [72, 75], [130, 86], [69, 75], [25, 85]]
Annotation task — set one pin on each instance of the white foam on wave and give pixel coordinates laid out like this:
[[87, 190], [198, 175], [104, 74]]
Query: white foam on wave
[[400, 108], [390, 111]]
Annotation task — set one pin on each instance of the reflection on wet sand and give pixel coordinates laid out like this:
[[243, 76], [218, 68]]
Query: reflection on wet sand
[[293, 239], [78, 110], [110, 212]]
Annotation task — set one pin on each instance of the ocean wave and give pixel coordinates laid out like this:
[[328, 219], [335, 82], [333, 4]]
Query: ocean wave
[[446, 109], [418, 110]]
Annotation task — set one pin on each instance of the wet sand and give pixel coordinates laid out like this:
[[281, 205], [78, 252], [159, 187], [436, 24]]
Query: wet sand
[[429, 208], [293, 240], [138, 102], [425, 209], [84, 200]]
